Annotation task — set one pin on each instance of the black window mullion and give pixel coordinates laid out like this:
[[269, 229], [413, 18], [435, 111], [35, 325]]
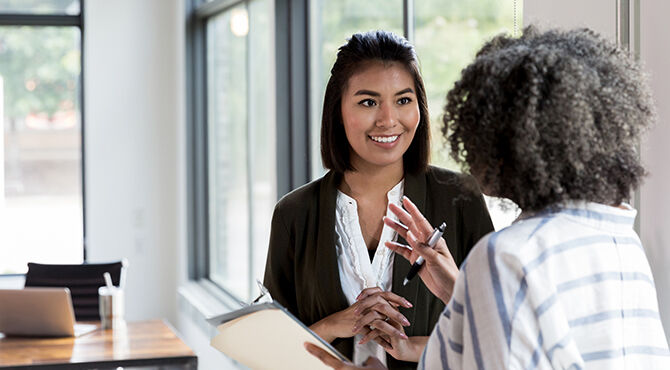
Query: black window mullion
[[40, 20], [408, 19], [282, 94], [82, 128], [292, 85], [197, 179]]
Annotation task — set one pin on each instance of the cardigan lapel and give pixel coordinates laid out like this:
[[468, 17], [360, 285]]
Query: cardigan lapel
[[415, 190], [326, 269], [332, 298]]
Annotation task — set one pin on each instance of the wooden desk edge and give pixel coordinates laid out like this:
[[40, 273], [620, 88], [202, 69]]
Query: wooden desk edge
[[185, 355]]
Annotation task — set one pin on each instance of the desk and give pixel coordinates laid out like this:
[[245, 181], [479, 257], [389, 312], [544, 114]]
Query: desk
[[146, 343]]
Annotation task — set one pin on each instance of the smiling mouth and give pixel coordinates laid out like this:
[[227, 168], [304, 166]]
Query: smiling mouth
[[384, 139]]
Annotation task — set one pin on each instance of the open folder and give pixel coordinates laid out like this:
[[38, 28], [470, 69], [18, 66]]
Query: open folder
[[267, 336]]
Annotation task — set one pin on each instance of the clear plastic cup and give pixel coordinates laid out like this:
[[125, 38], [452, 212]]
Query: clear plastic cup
[[111, 307]]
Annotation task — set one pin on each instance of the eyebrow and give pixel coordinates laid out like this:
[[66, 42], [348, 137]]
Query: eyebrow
[[374, 93]]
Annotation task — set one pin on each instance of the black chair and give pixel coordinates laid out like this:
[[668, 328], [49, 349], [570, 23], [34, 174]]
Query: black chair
[[82, 280]]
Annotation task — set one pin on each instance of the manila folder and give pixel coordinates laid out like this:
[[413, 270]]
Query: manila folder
[[267, 336]]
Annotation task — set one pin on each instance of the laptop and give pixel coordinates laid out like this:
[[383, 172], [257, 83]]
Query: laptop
[[43, 312]]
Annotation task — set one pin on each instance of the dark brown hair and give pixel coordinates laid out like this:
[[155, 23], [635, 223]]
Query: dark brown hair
[[380, 46], [550, 117]]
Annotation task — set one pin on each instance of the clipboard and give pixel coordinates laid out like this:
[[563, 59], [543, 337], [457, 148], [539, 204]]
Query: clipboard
[[268, 336]]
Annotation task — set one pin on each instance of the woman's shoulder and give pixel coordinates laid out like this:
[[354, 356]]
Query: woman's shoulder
[[523, 240], [300, 197], [306, 196]]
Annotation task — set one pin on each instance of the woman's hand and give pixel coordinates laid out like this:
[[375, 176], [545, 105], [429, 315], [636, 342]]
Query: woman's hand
[[409, 349], [329, 360], [373, 309], [439, 270], [385, 334]]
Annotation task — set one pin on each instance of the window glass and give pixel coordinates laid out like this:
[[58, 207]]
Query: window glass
[[331, 23], [41, 215], [241, 136], [63, 7], [447, 34], [262, 130]]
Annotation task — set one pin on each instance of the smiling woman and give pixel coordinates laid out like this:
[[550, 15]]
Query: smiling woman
[[380, 115], [327, 262]]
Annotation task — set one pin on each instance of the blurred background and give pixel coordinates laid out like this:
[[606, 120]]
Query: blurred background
[[164, 131]]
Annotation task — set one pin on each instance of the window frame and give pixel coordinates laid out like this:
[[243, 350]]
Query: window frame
[[293, 106], [292, 84], [62, 20], [198, 12]]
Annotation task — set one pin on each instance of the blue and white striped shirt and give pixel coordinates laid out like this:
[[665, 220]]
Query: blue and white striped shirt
[[567, 289]]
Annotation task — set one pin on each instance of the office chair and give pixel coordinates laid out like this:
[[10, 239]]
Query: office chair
[[82, 280]]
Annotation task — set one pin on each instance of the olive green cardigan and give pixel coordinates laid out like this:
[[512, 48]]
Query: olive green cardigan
[[301, 272]]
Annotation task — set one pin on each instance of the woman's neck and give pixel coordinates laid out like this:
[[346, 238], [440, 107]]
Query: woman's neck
[[371, 179]]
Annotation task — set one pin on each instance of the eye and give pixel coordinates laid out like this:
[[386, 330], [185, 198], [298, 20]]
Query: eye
[[367, 103], [404, 100]]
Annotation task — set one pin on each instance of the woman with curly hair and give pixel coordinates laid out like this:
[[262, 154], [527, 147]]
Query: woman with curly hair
[[551, 121]]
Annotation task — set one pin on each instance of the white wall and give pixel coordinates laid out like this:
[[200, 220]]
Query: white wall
[[133, 75], [135, 146], [136, 156], [600, 15], [655, 192]]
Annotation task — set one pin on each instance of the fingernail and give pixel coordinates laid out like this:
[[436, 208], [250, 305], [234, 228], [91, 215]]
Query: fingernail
[[403, 336], [408, 304], [405, 322]]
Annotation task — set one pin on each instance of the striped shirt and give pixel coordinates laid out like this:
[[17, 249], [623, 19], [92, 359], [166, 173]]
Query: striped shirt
[[567, 289]]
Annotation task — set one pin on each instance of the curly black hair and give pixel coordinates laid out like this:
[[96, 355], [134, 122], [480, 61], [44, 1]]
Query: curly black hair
[[549, 117]]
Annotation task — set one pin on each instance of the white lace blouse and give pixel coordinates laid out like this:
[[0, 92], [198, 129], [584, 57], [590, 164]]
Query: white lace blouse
[[356, 270]]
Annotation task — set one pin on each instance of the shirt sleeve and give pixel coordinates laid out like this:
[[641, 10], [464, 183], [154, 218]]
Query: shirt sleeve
[[279, 268], [482, 327]]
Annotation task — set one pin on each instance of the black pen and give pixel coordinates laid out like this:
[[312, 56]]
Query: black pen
[[432, 240]]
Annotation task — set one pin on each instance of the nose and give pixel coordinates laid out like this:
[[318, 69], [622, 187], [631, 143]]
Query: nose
[[387, 116]]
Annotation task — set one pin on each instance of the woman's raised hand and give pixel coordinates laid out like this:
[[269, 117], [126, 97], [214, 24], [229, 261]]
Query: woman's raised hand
[[439, 270], [373, 307]]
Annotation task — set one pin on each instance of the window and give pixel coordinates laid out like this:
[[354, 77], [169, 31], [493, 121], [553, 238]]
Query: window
[[331, 23], [446, 34], [43, 7], [41, 205], [240, 142], [256, 82]]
